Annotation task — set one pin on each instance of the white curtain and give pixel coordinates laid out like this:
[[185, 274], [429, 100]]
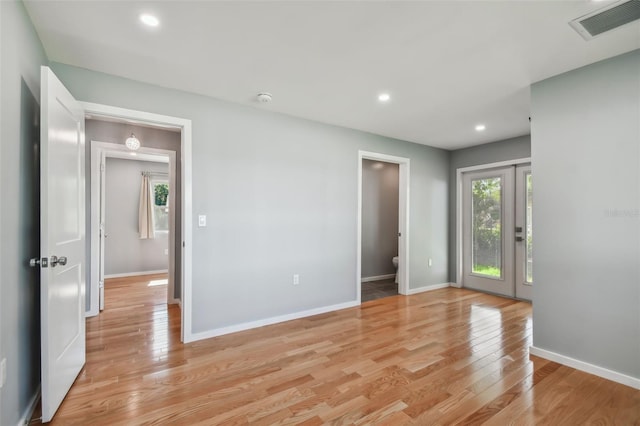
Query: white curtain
[[145, 212]]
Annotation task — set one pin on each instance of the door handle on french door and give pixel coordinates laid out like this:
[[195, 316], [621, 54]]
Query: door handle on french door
[[519, 238], [55, 260]]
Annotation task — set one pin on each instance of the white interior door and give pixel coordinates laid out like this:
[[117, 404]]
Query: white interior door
[[524, 232], [488, 230], [62, 233]]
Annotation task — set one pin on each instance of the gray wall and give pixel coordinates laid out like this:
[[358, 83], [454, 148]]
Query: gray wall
[[509, 149], [21, 58], [379, 217], [105, 131], [280, 194], [586, 165], [124, 251]]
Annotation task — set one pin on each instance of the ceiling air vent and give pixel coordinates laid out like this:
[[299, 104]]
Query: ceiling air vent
[[606, 19]]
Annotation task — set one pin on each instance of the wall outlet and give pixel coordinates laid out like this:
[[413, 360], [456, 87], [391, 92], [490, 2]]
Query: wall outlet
[[296, 279], [430, 262], [3, 372]]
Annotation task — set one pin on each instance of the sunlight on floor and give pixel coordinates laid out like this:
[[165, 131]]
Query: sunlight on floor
[[154, 283]]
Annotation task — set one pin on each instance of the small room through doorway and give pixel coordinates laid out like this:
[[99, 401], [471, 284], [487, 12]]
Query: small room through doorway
[[380, 229], [135, 223]]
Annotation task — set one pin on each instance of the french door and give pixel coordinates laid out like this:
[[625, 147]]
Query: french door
[[497, 231]]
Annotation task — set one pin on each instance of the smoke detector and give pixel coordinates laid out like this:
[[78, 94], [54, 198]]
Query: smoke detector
[[606, 19], [264, 97]]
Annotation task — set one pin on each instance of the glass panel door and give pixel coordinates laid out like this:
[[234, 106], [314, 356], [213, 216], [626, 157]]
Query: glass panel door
[[524, 232], [488, 230]]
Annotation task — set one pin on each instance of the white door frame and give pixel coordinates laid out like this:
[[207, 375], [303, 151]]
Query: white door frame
[[459, 172], [99, 152], [403, 220], [133, 116]]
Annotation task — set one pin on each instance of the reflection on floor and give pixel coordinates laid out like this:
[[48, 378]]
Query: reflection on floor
[[132, 336], [443, 357], [378, 289]]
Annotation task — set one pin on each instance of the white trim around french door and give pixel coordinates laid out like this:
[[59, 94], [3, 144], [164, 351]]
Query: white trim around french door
[[495, 229]]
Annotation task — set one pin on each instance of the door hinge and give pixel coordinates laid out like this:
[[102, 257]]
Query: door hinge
[[102, 167]]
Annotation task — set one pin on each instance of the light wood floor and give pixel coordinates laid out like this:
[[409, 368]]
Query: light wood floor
[[445, 357]]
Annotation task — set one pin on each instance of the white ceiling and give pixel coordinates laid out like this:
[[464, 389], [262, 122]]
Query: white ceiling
[[448, 65]]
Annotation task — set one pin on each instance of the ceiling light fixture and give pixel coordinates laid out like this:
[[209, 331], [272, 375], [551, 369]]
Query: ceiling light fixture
[[480, 127], [132, 142], [384, 97], [149, 20]]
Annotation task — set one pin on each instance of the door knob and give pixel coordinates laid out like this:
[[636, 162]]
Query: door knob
[[519, 238], [55, 260]]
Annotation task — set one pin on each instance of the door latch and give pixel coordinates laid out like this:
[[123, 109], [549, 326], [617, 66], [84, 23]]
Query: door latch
[[36, 261]]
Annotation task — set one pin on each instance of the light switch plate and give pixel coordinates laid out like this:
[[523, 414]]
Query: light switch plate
[[202, 220]]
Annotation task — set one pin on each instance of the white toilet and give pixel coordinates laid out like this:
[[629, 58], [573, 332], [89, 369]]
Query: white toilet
[[395, 265]]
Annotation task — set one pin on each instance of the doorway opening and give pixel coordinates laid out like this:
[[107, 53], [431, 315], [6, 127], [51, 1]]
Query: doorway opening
[[383, 232], [163, 139], [380, 196], [133, 205], [495, 229]]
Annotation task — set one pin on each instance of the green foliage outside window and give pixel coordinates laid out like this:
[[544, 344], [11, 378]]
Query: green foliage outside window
[[160, 208], [161, 194], [487, 229]]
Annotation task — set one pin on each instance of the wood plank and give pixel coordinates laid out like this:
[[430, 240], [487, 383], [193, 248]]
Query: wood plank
[[451, 356]]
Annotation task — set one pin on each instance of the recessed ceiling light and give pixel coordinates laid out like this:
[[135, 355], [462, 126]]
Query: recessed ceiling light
[[480, 127], [384, 97], [149, 20]]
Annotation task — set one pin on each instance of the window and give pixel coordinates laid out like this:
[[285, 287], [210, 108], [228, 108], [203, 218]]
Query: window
[[160, 205], [487, 227]]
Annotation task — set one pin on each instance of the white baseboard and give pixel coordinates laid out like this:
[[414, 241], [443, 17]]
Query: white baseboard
[[586, 367], [135, 274], [377, 278], [26, 417], [268, 321], [91, 313], [427, 288]]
